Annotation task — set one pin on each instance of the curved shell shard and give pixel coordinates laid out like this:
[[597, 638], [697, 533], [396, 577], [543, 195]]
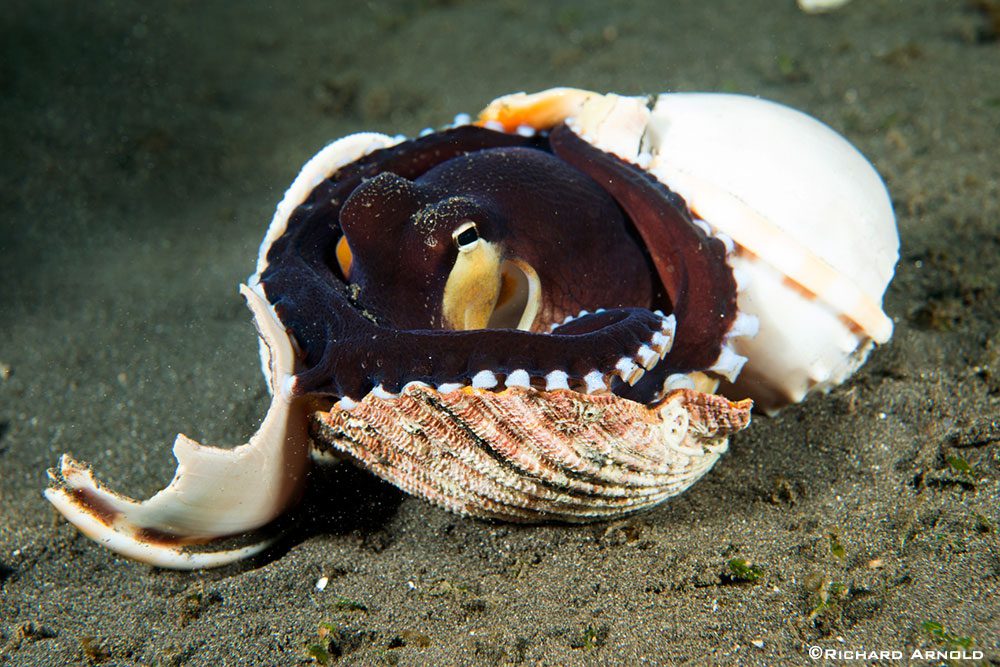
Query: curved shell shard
[[529, 455], [215, 493]]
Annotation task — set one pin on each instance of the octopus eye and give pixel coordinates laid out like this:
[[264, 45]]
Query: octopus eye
[[466, 236]]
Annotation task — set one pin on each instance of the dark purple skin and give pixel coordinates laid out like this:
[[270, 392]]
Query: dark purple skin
[[527, 202], [377, 333]]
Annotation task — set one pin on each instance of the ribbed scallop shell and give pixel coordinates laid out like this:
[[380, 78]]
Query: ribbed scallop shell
[[528, 455]]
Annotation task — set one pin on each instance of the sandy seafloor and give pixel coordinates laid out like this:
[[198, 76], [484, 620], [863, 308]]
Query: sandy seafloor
[[143, 150]]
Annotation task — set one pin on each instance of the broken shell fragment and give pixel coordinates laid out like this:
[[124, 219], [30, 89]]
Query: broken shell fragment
[[216, 494]]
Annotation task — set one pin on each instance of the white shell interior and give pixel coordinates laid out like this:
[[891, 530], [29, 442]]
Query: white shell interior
[[815, 217], [820, 6]]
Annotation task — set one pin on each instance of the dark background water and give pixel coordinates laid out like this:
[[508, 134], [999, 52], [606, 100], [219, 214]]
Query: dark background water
[[143, 150]]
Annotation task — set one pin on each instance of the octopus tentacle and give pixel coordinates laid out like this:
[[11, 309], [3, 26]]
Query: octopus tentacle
[[691, 264], [373, 356]]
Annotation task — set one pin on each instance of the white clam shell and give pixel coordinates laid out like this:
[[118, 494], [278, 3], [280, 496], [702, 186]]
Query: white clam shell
[[814, 227], [820, 6]]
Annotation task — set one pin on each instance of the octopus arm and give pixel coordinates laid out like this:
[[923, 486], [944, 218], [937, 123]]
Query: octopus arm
[[691, 264]]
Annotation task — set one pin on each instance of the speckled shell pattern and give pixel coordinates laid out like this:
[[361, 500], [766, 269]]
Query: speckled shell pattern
[[527, 455]]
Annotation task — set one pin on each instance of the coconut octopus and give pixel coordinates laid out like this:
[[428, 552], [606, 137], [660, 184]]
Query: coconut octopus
[[527, 317]]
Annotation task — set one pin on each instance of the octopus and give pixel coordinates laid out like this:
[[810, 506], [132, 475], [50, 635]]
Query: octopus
[[528, 318]]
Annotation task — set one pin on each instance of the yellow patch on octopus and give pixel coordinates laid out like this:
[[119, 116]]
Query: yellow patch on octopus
[[473, 288]]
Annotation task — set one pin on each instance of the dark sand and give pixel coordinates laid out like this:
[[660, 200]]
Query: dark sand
[[142, 154]]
